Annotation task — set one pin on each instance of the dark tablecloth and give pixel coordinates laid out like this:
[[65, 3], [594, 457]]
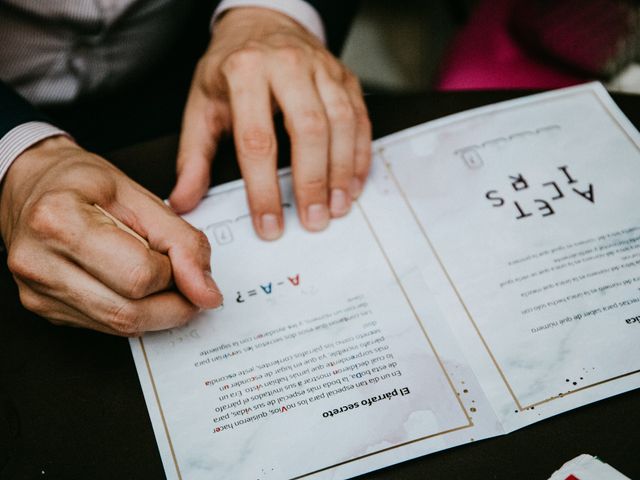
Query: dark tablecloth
[[71, 405]]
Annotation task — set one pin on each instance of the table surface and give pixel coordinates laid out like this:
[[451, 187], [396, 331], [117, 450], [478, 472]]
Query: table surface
[[71, 405]]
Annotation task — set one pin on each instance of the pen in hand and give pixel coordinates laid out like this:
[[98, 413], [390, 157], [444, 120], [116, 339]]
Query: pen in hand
[[122, 226]]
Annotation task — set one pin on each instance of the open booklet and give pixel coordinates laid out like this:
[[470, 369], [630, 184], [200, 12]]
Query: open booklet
[[487, 278]]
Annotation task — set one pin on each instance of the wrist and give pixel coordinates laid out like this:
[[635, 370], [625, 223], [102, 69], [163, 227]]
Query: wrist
[[27, 168], [30, 164], [251, 15], [301, 11], [255, 22]]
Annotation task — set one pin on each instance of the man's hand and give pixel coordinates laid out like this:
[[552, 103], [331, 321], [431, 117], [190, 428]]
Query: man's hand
[[74, 266], [260, 60]]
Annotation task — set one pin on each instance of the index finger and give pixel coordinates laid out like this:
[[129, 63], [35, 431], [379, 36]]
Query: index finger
[[188, 248]]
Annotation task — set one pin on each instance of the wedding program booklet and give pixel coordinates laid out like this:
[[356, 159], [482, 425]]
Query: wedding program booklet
[[487, 278]]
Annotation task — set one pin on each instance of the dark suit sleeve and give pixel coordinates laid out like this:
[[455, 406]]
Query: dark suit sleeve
[[15, 110], [337, 17]]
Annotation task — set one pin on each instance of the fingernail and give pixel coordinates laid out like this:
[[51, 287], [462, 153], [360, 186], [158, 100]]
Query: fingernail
[[339, 204], [355, 187], [317, 216], [270, 226], [211, 284], [218, 308]]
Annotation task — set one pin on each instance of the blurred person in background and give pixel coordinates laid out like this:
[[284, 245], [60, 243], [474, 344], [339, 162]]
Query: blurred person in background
[[545, 44]]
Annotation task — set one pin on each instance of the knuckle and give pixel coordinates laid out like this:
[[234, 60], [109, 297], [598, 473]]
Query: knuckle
[[31, 301], [363, 120], [16, 260], [125, 319], [206, 69], [333, 68], [312, 186], [46, 214], [21, 264], [341, 173], [199, 242], [342, 112], [243, 60], [292, 55], [351, 80], [202, 240], [312, 123], [257, 142], [139, 281]]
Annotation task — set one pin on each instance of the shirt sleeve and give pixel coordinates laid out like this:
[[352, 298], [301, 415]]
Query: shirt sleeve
[[301, 11], [21, 137], [21, 126]]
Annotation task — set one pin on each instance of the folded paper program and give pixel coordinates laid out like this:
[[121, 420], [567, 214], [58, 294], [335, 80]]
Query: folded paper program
[[467, 295]]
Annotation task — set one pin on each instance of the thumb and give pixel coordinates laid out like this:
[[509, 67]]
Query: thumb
[[187, 248], [202, 127]]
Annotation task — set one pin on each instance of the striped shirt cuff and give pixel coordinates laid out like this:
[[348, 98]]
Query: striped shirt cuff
[[299, 10], [18, 139]]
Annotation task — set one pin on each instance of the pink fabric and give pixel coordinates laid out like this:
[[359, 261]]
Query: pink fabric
[[485, 56]]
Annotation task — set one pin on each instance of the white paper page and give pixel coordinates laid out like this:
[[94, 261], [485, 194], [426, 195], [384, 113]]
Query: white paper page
[[329, 349], [530, 208]]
